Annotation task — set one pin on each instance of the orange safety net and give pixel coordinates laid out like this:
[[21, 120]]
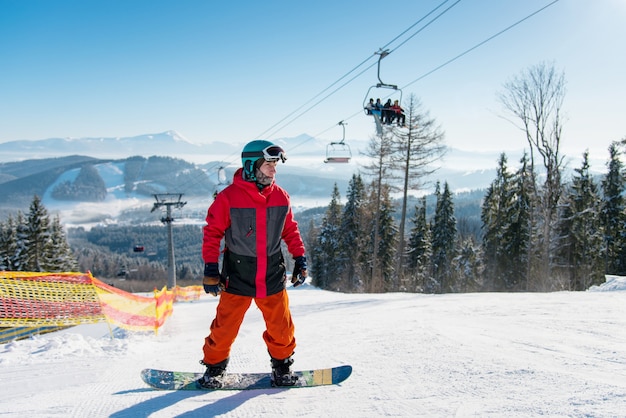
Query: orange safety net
[[134, 312], [188, 293], [64, 299]]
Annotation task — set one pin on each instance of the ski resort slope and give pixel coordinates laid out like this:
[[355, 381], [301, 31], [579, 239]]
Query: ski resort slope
[[453, 355]]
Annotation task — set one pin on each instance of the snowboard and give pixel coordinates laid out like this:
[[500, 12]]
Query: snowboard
[[172, 380]]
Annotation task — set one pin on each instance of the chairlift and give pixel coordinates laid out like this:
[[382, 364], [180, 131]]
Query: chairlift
[[397, 93], [338, 152], [222, 181], [221, 175]]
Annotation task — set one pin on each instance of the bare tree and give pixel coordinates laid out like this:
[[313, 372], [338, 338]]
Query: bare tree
[[416, 148], [380, 168], [536, 97]]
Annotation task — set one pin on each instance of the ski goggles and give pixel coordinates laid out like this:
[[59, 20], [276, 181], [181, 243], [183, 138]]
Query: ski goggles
[[274, 153]]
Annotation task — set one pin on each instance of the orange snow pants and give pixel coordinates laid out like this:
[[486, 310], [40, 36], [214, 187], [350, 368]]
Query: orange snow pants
[[231, 309]]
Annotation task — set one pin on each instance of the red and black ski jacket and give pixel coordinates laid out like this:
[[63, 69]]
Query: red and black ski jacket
[[252, 223]]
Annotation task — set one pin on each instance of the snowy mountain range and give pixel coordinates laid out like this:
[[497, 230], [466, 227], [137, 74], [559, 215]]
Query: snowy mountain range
[[464, 169], [169, 143], [129, 170]]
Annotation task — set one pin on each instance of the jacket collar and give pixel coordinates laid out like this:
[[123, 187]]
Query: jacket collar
[[249, 186]]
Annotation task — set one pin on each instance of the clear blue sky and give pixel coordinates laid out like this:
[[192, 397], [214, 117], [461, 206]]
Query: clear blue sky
[[231, 71]]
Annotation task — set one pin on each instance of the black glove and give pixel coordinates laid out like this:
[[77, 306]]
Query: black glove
[[212, 281], [299, 273]]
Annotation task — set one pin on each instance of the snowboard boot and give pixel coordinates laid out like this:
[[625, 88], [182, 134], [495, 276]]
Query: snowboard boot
[[281, 372], [212, 378]]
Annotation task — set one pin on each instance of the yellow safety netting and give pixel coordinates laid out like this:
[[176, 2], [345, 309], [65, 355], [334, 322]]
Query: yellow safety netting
[[188, 293], [54, 299], [64, 299]]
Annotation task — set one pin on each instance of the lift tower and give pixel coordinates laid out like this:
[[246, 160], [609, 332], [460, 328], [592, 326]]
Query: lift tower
[[168, 200]]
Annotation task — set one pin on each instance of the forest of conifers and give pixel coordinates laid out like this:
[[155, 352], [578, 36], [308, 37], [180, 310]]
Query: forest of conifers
[[537, 230]]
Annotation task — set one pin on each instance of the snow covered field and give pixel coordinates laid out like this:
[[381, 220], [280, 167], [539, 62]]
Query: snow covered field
[[464, 355]]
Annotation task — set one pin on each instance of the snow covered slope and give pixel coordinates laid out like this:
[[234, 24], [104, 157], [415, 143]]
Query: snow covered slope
[[488, 355]]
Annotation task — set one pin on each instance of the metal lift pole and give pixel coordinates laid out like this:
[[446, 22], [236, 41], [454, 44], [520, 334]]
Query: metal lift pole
[[168, 200]]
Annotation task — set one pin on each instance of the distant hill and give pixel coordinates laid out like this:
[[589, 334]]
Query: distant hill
[[86, 179], [90, 180], [87, 189], [152, 144]]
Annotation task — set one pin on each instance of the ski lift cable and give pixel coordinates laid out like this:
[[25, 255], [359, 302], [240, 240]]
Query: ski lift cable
[[315, 97], [320, 101], [384, 52], [416, 23], [350, 72], [427, 24], [359, 112], [380, 53], [467, 51]]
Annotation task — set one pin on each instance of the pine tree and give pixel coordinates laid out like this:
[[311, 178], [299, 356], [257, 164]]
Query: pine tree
[[310, 241], [505, 214], [7, 243], [518, 233], [418, 251], [443, 230], [494, 219], [60, 258], [34, 244], [580, 251], [39, 237], [612, 214], [388, 233], [352, 235], [325, 269], [467, 267], [21, 245]]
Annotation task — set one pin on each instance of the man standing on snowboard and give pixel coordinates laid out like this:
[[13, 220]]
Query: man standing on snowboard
[[253, 215]]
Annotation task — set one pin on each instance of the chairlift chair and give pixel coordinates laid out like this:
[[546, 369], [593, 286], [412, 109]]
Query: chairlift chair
[[221, 175], [339, 151], [396, 93]]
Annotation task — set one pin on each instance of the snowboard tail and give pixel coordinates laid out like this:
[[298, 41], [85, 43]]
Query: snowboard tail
[[172, 380]]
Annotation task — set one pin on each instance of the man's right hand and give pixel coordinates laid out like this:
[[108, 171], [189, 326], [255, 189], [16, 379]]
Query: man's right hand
[[212, 281], [212, 285]]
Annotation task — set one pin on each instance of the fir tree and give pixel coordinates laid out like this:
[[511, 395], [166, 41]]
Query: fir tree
[[467, 267], [22, 243], [443, 230], [579, 254], [352, 234], [418, 250], [325, 268], [388, 233], [518, 233], [494, 219], [60, 257], [34, 244], [506, 228], [7, 244], [39, 237], [612, 214]]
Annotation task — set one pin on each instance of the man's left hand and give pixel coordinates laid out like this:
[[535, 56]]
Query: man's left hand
[[299, 273]]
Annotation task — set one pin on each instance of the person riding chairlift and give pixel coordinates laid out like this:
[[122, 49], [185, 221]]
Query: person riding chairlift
[[398, 113]]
